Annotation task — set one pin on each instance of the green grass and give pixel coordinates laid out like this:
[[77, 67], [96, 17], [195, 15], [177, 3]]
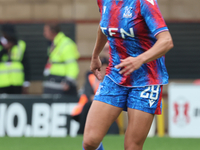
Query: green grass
[[110, 143]]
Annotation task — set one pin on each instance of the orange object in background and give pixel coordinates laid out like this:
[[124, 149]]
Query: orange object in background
[[78, 109], [94, 82]]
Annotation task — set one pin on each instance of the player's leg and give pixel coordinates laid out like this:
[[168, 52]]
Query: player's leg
[[138, 127], [110, 99], [99, 119], [143, 103]]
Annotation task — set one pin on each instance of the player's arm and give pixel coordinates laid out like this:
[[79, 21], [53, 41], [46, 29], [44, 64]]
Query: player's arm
[[95, 61], [161, 47], [100, 43], [156, 24]]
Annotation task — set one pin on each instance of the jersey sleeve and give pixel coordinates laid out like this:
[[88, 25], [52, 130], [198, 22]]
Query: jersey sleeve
[[152, 16]]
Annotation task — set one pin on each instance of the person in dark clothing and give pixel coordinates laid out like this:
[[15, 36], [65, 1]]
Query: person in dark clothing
[[90, 87], [14, 66]]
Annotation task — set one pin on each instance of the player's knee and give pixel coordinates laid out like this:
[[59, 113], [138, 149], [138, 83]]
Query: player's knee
[[90, 144], [136, 145]]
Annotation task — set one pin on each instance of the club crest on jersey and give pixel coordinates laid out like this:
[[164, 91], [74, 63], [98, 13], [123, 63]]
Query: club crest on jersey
[[128, 13]]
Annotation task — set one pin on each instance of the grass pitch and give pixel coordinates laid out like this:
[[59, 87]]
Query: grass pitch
[[110, 143]]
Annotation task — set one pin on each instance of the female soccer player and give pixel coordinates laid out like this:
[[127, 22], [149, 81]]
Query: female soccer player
[[139, 39]]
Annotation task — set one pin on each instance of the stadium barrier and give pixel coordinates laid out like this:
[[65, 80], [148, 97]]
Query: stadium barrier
[[49, 116], [37, 116]]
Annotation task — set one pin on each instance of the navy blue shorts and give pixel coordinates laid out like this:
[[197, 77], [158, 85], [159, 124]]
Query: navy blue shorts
[[147, 98]]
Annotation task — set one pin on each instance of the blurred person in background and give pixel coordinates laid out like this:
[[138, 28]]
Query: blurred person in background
[[91, 85], [14, 66], [62, 68]]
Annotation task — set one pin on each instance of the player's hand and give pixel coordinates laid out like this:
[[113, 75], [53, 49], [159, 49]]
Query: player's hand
[[95, 67], [129, 65]]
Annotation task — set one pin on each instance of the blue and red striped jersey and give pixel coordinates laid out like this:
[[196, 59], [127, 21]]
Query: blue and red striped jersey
[[131, 27]]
